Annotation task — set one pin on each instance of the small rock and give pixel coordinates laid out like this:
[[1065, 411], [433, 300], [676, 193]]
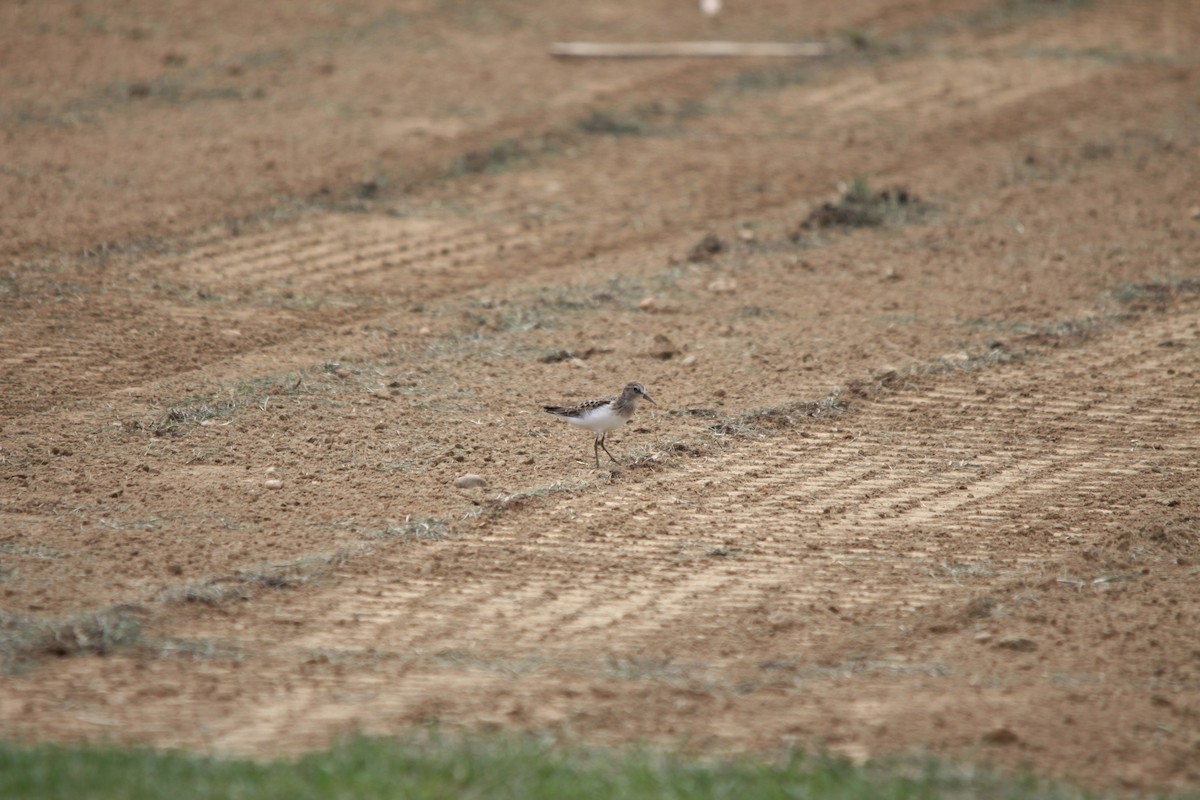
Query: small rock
[[469, 481], [273, 483], [687, 361], [648, 304], [723, 286], [1195, 212]]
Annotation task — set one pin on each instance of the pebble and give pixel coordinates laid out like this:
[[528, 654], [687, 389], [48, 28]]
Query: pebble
[[723, 286], [273, 483], [469, 481], [648, 304]]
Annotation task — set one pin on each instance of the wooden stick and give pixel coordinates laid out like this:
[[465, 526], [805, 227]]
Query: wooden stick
[[685, 49]]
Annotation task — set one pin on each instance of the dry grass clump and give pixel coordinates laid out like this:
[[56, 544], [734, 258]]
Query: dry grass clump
[[29, 638]]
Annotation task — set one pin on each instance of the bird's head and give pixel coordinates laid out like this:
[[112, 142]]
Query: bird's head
[[637, 390]]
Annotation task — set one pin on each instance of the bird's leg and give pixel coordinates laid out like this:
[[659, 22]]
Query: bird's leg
[[596, 450], [604, 436]]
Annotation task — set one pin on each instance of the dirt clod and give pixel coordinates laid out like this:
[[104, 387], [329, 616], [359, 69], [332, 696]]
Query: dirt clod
[[708, 248], [1017, 645], [470, 481], [1001, 736]]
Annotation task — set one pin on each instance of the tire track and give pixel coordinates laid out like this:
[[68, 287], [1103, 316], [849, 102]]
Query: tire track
[[859, 524], [930, 499], [354, 253], [976, 86], [419, 258]]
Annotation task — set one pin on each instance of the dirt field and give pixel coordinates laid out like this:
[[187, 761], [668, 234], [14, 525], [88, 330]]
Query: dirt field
[[274, 279]]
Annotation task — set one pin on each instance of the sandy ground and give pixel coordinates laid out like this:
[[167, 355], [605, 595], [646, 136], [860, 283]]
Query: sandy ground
[[276, 276]]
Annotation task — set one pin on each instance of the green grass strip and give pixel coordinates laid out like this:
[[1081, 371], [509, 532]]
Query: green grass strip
[[505, 767]]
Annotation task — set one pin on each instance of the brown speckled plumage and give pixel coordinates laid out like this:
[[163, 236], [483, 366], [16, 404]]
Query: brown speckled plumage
[[603, 415]]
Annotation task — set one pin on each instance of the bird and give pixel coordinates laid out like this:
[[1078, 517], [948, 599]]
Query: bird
[[603, 415]]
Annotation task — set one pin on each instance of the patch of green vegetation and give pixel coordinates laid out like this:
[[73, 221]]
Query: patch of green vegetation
[[504, 767]]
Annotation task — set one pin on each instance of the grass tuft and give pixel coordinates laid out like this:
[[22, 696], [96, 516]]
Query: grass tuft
[[223, 404], [608, 123], [860, 207], [509, 502], [427, 529], [491, 159], [245, 584], [25, 639], [751, 424]]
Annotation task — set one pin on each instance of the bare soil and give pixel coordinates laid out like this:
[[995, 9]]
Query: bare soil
[[922, 476]]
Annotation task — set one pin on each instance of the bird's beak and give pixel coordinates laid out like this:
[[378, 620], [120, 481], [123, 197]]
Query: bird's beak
[[648, 399]]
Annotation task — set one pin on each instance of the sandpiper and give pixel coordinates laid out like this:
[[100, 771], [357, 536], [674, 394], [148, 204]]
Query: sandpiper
[[602, 416]]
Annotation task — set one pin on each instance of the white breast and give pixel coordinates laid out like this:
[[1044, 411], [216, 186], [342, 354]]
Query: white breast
[[599, 420]]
